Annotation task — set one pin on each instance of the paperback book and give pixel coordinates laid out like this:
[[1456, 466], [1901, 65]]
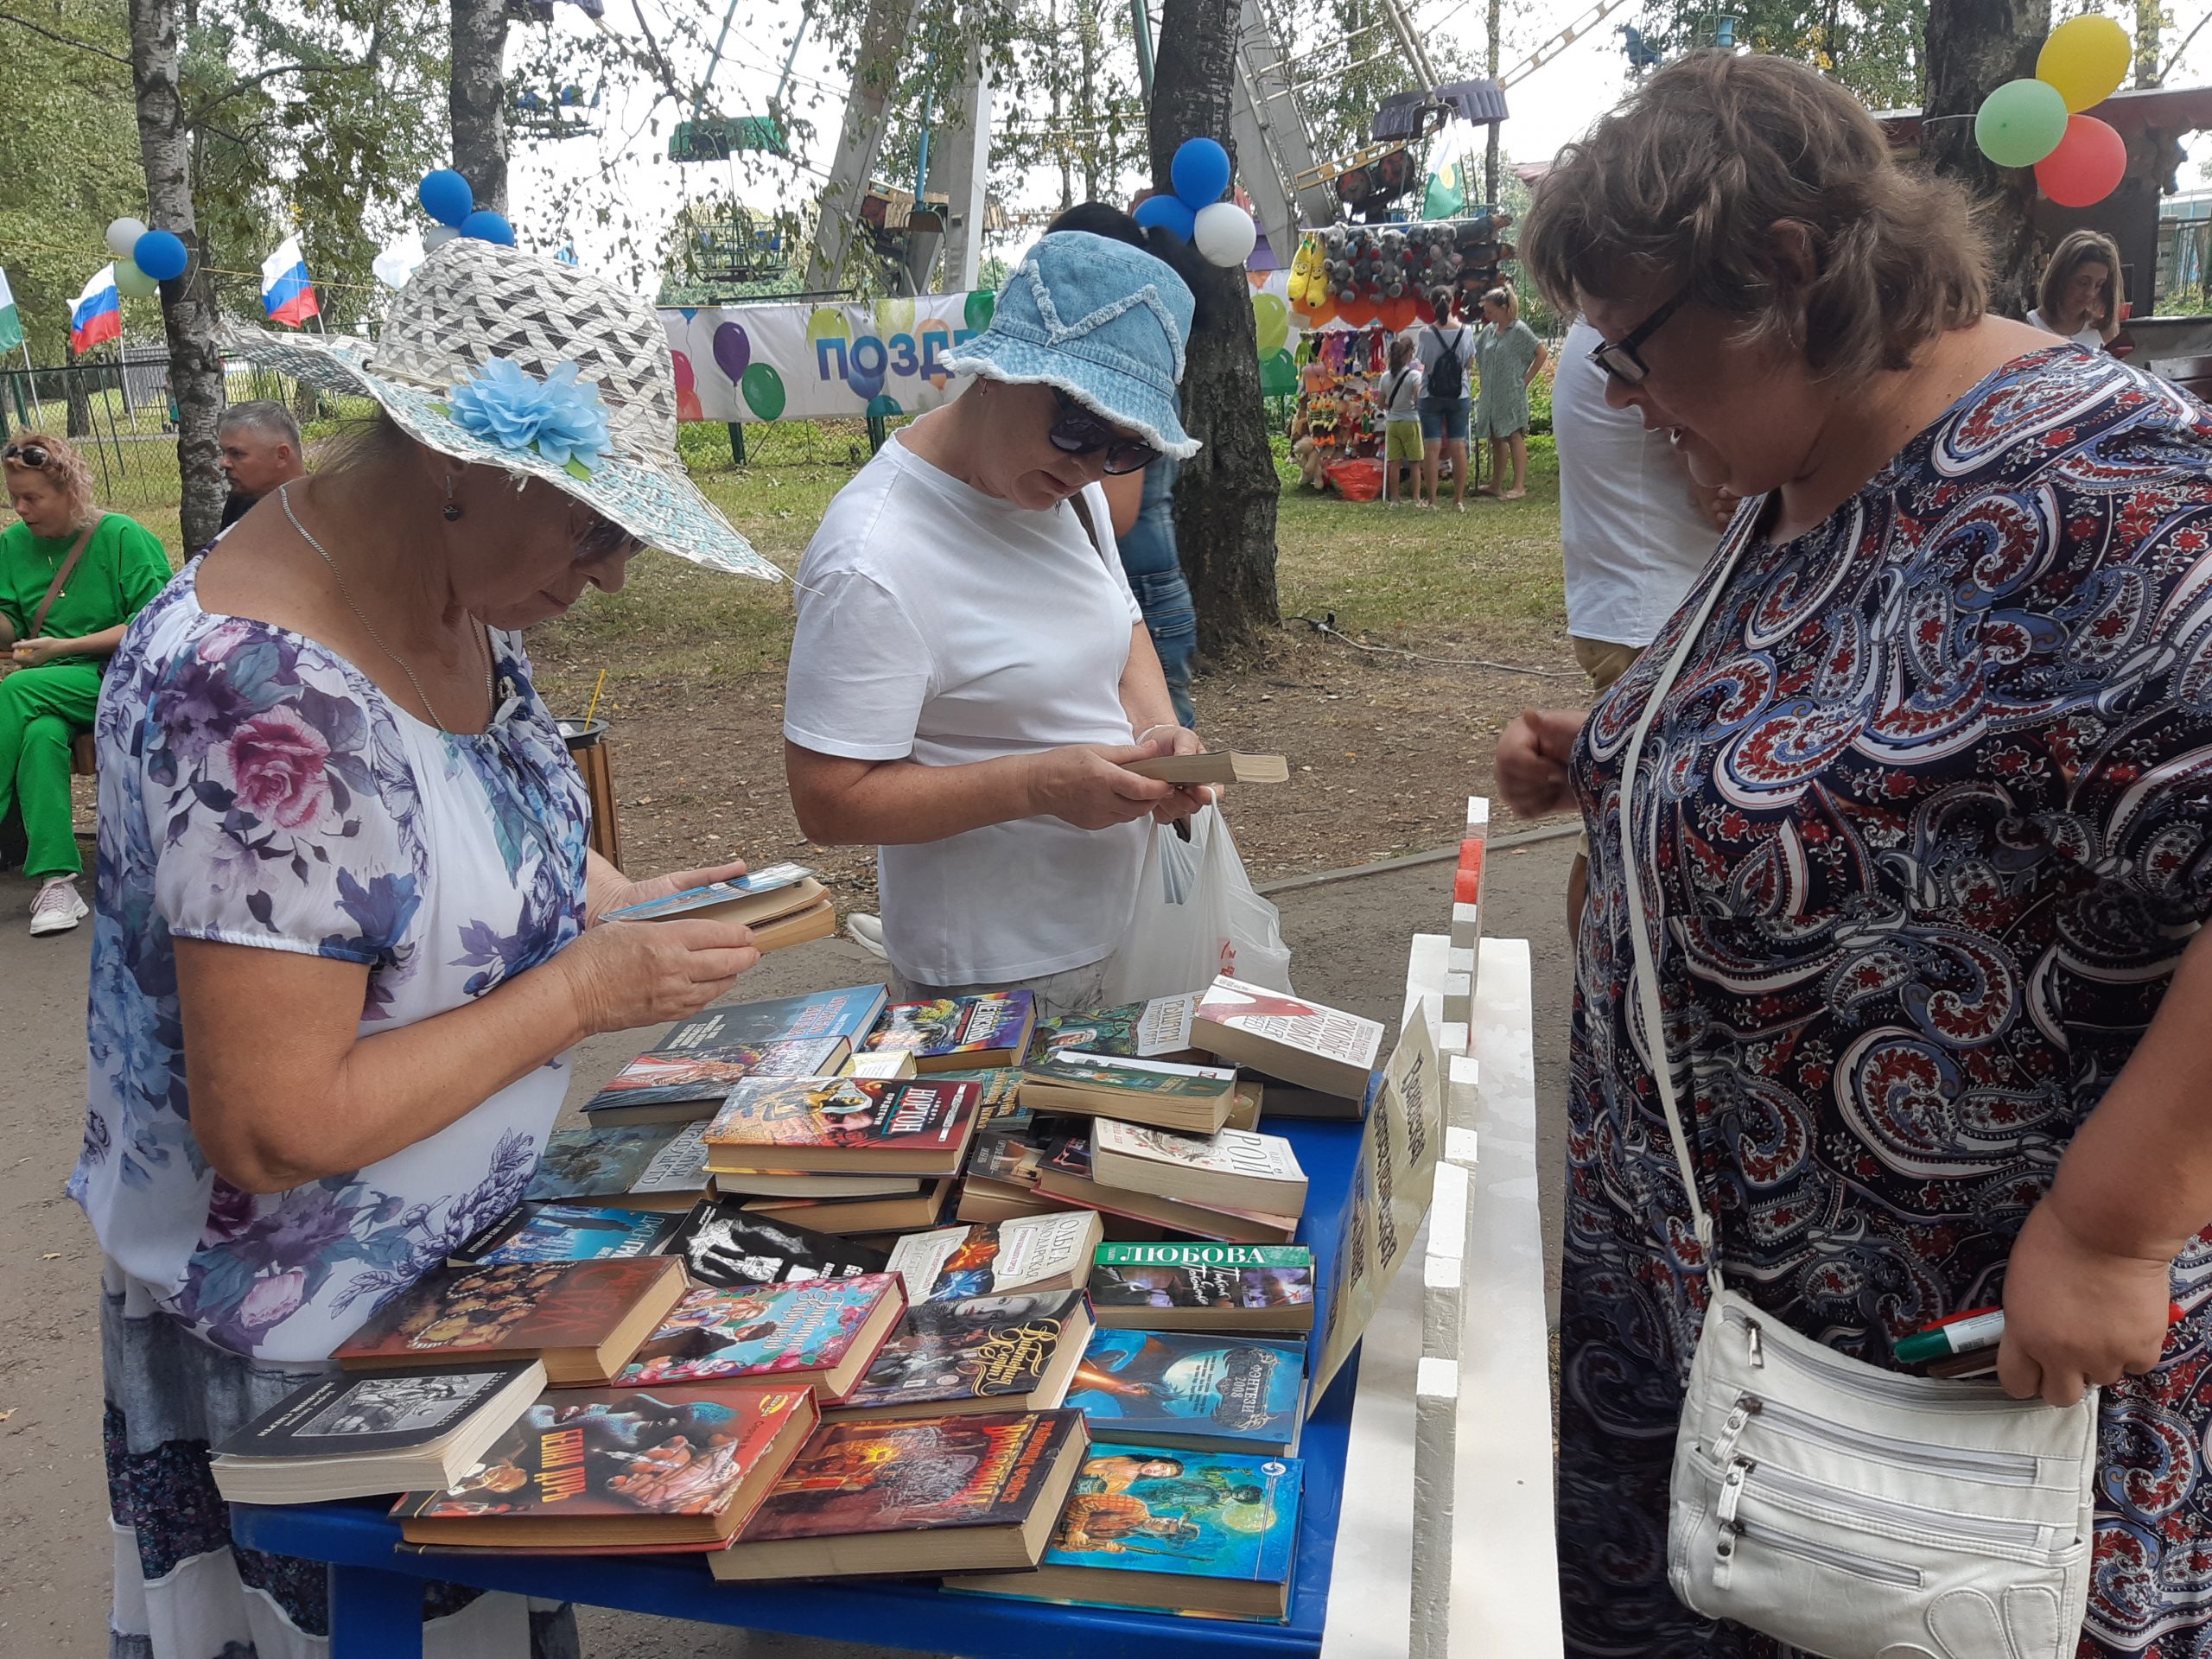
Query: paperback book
[[757, 896], [817, 1016], [676, 1178], [843, 1125], [359, 1433], [1000, 1104], [898, 1213], [1236, 1169], [1288, 1036], [951, 1264], [1295, 1100], [817, 1333], [1158, 1030], [582, 1319], [1199, 1390], [1064, 1171], [1174, 1285], [949, 1033], [728, 1246], [611, 1467], [1183, 1532], [598, 1162], [674, 1086], [1196, 1099], [995, 1353], [915, 1496], [567, 1232]]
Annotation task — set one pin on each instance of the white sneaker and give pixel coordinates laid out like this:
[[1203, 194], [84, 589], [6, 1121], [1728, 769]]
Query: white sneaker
[[866, 932], [59, 906]]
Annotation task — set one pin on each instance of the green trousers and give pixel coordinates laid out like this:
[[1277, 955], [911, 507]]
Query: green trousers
[[41, 710]]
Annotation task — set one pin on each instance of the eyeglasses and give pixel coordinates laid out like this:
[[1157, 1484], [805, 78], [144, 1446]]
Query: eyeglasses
[[603, 538], [1619, 357], [27, 454], [1079, 432]]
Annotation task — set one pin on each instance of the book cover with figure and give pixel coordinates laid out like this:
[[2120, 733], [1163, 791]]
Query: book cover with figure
[[951, 1264], [650, 1087], [948, 1032], [1184, 1286], [817, 1334], [598, 1162], [1186, 1389], [856, 1125], [723, 1244], [1158, 1030], [850, 1012], [992, 1353], [567, 1232]]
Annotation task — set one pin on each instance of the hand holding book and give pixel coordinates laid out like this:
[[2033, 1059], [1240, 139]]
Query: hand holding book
[[621, 977], [612, 893]]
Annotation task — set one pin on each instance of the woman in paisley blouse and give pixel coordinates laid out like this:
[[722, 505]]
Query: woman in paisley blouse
[[346, 922], [1923, 838]]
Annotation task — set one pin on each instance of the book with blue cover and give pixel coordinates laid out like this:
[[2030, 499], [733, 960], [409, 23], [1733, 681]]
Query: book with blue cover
[[1199, 1390], [669, 1085], [1181, 1532], [817, 1333], [601, 1161], [952, 1033], [567, 1232], [756, 895], [849, 1012]]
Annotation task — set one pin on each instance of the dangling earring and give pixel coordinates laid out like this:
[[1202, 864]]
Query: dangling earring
[[452, 506]]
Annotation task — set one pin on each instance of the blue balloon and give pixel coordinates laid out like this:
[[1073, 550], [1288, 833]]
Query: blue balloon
[[445, 197], [161, 255], [1168, 212], [1200, 171], [487, 227]]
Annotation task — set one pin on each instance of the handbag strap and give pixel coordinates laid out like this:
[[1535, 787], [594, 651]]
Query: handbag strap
[[61, 576], [1648, 1009]]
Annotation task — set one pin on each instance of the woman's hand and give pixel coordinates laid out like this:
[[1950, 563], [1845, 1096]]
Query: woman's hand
[[1087, 786], [38, 653], [1172, 739], [622, 975], [2075, 1313], [1532, 756], [620, 895]]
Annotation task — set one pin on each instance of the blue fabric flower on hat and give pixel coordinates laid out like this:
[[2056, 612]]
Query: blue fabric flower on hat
[[506, 405]]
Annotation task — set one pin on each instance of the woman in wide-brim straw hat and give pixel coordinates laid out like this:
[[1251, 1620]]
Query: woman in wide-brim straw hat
[[970, 673], [345, 918]]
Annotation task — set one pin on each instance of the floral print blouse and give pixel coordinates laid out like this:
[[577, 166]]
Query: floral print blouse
[[258, 790]]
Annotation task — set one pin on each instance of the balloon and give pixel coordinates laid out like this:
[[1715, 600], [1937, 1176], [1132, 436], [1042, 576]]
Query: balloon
[[445, 197], [1224, 233], [687, 407], [1167, 212], [894, 316], [827, 322], [2085, 59], [932, 341], [2020, 122], [862, 383], [436, 237], [134, 284], [982, 306], [1277, 375], [123, 236], [764, 391], [733, 351], [1270, 321], [1200, 172], [484, 226], [685, 379], [882, 405], [160, 255], [2086, 165]]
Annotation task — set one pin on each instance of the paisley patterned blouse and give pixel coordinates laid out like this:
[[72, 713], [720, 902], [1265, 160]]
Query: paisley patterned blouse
[[1925, 824], [258, 790]]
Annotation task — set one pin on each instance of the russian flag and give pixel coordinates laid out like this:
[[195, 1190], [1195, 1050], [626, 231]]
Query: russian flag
[[287, 290], [98, 313]]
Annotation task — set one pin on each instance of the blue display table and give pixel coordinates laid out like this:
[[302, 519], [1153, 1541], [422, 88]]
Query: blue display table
[[376, 1595]]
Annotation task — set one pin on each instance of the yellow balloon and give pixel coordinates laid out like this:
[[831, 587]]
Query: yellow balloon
[[2087, 58]]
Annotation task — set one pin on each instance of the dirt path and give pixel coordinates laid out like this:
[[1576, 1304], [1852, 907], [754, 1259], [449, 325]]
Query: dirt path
[[1349, 943]]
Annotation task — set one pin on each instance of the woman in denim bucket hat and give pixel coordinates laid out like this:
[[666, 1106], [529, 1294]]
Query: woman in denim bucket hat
[[970, 673]]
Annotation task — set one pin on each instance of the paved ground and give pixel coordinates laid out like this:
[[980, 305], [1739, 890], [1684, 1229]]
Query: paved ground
[[1349, 943]]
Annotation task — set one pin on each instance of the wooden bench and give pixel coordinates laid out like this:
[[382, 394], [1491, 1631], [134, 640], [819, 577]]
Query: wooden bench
[[2191, 374], [81, 756]]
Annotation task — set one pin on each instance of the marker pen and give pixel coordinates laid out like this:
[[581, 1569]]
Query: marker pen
[[1965, 1332]]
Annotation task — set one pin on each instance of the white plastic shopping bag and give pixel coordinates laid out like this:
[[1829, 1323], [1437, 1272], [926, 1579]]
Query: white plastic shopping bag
[[1197, 916]]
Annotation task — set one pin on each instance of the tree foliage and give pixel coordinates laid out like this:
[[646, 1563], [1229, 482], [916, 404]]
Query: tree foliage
[[1876, 47]]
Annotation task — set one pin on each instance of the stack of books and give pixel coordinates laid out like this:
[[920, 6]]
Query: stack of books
[[688, 1074]]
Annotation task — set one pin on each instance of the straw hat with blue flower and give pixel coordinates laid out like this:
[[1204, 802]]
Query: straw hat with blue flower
[[501, 359]]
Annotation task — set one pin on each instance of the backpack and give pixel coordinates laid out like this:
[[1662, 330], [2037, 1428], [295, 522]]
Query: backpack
[[1448, 380]]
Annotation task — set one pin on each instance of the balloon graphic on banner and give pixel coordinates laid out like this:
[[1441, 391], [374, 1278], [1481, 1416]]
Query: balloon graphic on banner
[[863, 384], [934, 340], [2087, 165], [733, 351], [2085, 59], [687, 391], [134, 284], [764, 389], [882, 406], [1271, 322], [982, 306], [123, 236], [2020, 122], [894, 316], [827, 323]]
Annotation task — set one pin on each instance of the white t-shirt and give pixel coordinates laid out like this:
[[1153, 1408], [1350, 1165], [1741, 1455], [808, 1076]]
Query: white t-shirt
[[2088, 337], [1631, 534], [1401, 394], [942, 624]]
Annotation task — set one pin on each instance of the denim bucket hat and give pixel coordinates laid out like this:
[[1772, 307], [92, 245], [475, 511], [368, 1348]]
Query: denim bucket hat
[[1102, 321]]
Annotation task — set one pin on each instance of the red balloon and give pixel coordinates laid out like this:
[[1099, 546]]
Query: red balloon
[[2087, 166]]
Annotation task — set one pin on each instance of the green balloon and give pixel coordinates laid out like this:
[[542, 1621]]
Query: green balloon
[[2020, 122], [134, 284], [1271, 319], [1277, 375], [983, 305], [882, 406], [764, 391]]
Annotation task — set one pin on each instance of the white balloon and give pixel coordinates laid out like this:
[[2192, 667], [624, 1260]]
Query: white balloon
[[437, 236], [123, 236], [1224, 233]]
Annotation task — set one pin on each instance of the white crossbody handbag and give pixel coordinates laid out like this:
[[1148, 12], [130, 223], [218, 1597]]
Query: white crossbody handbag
[[1853, 1512]]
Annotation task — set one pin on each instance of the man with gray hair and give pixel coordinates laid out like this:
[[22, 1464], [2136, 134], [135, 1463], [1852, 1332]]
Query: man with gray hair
[[259, 443]]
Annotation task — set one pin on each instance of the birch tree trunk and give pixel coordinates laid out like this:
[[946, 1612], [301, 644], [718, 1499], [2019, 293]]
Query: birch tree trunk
[[1225, 499], [187, 302], [1973, 48], [478, 94]]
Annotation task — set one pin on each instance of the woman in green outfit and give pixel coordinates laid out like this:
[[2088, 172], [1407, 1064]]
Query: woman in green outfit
[[71, 577], [1509, 357]]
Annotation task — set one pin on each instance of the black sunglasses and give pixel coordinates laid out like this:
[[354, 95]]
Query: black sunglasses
[[1618, 358], [27, 454], [603, 538], [1079, 432]]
